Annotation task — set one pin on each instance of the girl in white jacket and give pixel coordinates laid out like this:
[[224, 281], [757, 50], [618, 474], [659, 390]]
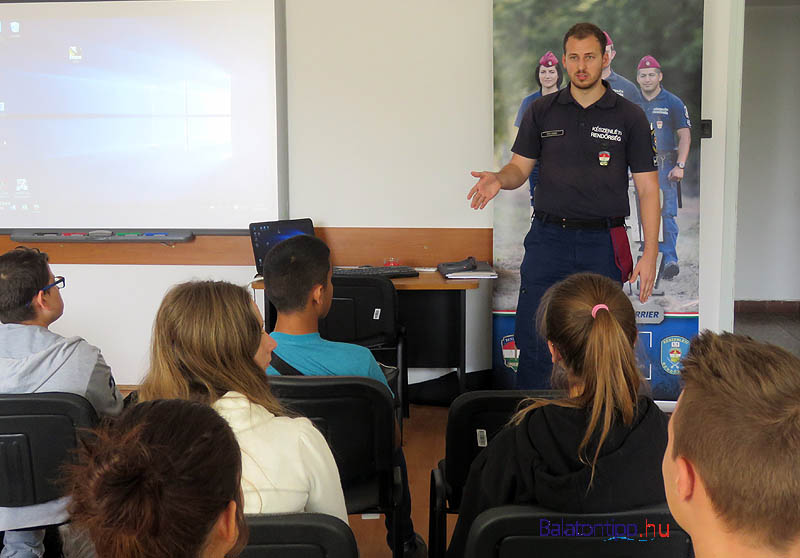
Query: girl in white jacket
[[209, 344]]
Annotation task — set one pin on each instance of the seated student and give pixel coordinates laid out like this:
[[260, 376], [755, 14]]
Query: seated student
[[732, 466], [34, 359], [297, 280], [598, 449], [162, 480], [209, 345]]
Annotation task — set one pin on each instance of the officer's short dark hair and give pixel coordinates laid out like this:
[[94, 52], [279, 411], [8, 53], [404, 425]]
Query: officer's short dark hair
[[586, 29], [23, 273], [294, 267]]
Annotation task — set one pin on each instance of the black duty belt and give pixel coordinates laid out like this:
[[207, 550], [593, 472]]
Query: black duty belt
[[566, 223]]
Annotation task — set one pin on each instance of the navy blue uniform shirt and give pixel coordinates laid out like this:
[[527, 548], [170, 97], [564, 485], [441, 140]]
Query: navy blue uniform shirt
[[624, 87], [584, 153], [666, 113]]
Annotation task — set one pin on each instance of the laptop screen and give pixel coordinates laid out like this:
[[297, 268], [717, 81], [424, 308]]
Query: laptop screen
[[269, 233]]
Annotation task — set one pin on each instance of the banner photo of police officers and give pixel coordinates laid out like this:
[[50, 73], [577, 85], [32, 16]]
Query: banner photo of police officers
[[653, 59]]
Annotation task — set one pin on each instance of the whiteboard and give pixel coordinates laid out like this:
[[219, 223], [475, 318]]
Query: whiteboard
[[130, 114]]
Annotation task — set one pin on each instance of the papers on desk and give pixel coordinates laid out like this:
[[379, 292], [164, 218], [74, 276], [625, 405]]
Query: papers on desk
[[482, 271]]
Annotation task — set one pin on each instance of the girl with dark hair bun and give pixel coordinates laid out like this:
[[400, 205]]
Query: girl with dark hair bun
[[599, 448], [162, 480]]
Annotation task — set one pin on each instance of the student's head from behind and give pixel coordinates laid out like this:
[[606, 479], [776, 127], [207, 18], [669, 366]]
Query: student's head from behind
[[733, 459], [208, 339], [590, 328], [161, 480], [297, 276], [28, 290]]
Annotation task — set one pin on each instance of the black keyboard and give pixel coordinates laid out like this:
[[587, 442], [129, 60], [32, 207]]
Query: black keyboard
[[389, 271]]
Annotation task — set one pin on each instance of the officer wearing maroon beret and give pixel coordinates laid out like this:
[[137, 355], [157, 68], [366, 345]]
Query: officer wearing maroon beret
[[584, 137], [548, 75], [669, 118]]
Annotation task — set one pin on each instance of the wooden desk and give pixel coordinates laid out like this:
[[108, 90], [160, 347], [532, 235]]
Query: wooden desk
[[429, 305], [427, 281]]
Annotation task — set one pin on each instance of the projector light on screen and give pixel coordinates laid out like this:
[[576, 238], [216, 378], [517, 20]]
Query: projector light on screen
[[156, 114]]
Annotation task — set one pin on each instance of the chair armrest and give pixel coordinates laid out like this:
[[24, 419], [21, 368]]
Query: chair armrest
[[437, 514], [397, 485]]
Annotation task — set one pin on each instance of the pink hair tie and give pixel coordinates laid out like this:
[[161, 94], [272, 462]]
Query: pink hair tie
[[598, 307]]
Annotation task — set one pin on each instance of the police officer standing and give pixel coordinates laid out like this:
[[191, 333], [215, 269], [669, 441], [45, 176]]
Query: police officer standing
[[584, 137], [622, 86], [668, 116]]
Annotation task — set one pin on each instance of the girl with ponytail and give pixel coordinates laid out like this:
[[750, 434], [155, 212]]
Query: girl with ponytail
[[597, 449]]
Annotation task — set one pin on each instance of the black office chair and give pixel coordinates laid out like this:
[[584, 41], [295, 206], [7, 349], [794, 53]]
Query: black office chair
[[38, 432], [473, 420], [536, 532], [364, 312], [356, 417], [299, 535]]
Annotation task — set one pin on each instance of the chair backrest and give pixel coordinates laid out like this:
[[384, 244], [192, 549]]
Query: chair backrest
[[535, 532], [299, 535], [38, 431], [364, 311], [356, 417], [473, 420]]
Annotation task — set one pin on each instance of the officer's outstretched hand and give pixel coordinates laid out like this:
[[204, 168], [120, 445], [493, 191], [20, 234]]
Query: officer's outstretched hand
[[486, 188], [645, 271]]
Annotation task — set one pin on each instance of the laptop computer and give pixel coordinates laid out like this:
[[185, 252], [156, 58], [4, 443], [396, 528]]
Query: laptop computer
[[267, 234]]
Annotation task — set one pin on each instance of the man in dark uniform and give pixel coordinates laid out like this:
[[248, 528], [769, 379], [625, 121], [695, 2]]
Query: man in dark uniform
[[668, 117], [585, 137], [619, 84]]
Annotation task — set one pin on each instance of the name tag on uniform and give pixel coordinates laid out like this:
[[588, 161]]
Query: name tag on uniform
[[552, 133]]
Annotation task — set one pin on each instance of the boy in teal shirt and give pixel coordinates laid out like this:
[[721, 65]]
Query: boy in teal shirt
[[297, 280]]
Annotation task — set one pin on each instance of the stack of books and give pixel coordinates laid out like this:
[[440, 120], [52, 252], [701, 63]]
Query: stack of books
[[482, 270]]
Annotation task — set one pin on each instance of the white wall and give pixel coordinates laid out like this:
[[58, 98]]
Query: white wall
[[767, 255], [390, 107], [113, 306]]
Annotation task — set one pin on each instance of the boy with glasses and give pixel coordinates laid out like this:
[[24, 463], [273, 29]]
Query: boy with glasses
[[34, 359]]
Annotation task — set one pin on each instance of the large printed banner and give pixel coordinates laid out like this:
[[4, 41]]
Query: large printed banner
[[655, 50]]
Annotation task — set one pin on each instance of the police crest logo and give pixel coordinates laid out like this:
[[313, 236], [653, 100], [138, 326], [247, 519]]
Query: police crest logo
[[604, 157], [672, 350], [510, 352]]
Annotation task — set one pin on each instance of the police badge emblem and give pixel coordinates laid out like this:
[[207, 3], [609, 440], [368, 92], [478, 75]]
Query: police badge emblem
[[510, 352], [659, 124], [604, 157], [673, 349]]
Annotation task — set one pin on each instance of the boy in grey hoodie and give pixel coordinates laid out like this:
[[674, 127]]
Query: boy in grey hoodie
[[34, 359]]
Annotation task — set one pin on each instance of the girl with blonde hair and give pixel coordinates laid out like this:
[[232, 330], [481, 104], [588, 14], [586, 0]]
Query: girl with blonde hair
[[599, 448], [209, 345]]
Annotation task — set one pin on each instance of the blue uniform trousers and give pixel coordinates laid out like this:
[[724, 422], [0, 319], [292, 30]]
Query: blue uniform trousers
[[551, 254], [669, 209]]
